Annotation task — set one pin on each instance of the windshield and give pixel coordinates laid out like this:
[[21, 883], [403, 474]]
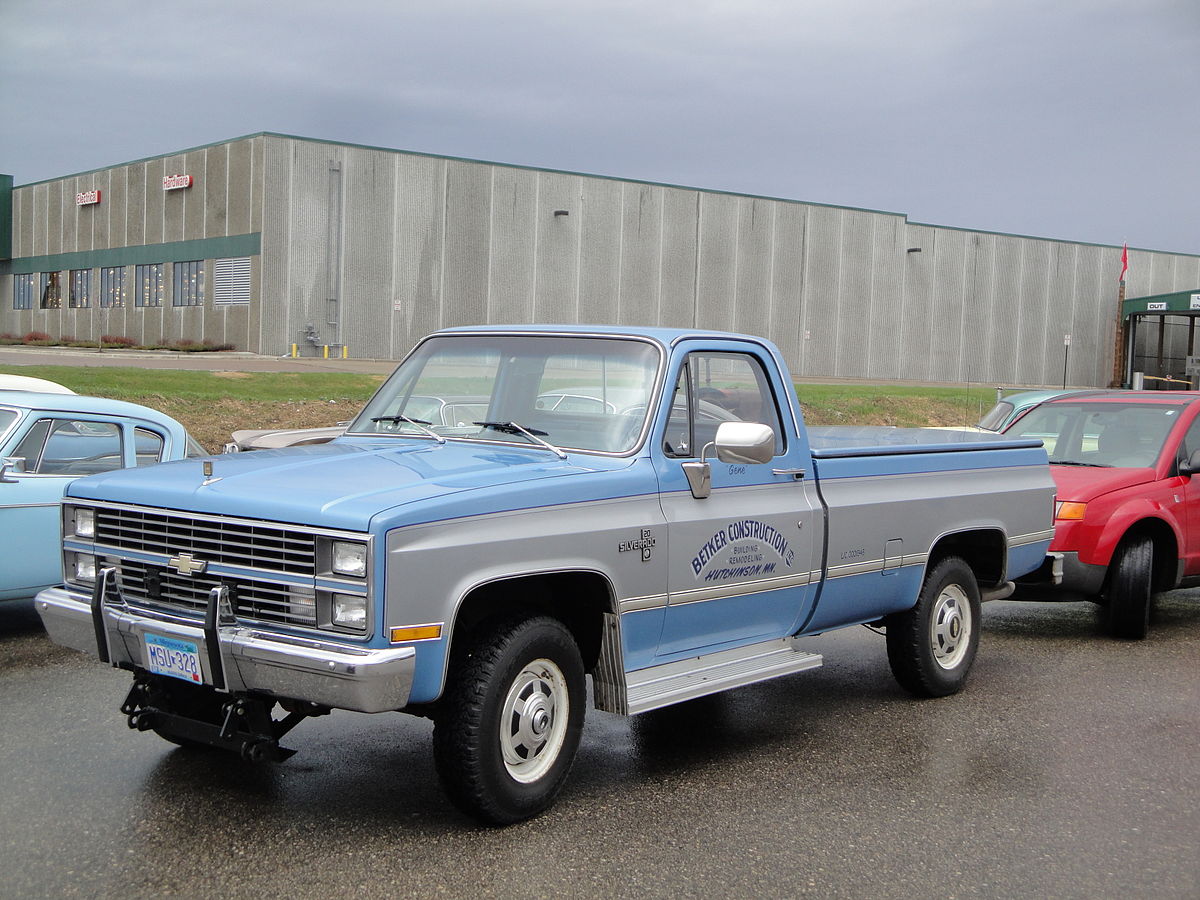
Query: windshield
[[579, 393], [996, 417], [1122, 435]]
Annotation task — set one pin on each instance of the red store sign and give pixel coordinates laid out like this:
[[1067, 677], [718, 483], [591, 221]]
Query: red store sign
[[86, 198], [175, 182]]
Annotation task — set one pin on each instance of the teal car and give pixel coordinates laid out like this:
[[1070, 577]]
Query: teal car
[[47, 440], [1008, 409]]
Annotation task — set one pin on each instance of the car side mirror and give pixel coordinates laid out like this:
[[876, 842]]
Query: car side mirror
[[1191, 465], [9, 465], [735, 442], [744, 442]]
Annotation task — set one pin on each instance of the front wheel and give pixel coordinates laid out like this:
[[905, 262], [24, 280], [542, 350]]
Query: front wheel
[[1129, 589], [509, 723], [931, 647]]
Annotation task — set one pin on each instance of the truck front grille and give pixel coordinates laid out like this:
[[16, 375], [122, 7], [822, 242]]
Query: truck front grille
[[171, 561], [230, 542], [144, 585]]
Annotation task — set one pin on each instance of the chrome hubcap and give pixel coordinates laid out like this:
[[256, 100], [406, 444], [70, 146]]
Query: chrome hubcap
[[950, 626], [534, 720]]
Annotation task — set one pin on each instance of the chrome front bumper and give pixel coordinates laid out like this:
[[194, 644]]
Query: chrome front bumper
[[240, 659]]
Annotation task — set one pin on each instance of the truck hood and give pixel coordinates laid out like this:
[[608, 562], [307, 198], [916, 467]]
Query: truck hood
[[1084, 483], [341, 484]]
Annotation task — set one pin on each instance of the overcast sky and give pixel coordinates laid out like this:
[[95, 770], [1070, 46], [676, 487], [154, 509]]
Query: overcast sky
[[1074, 119]]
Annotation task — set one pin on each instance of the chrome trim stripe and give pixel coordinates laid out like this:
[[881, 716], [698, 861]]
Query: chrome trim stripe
[[27, 505], [860, 568], [725, 592], [650, 601], [1036, 537]]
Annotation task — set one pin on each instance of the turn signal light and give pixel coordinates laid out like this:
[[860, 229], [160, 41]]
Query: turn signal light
[[1069, 511], [416, 633]]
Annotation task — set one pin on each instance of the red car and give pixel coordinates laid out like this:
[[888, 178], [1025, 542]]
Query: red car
[[1127, 516]]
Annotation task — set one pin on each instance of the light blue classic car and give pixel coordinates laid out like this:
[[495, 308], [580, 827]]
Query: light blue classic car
[[48, 440]]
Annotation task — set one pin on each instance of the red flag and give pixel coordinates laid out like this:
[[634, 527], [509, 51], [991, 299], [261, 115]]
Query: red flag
[[1124, 260]]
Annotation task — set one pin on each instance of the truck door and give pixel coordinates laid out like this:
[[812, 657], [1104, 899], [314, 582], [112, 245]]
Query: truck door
[[743, 561]]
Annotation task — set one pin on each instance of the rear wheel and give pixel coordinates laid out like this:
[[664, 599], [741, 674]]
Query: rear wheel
[[509, 723], [931, 647], [1129, 588]]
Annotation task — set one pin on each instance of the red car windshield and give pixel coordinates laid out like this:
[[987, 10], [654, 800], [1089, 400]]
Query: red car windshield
[[1111, 435]]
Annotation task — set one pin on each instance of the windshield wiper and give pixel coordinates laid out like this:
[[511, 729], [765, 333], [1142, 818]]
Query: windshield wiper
[[532, 433], [420, 423], [1072, 462]]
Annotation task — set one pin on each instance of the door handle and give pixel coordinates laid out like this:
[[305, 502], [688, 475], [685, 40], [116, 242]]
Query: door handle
[[795, 473]]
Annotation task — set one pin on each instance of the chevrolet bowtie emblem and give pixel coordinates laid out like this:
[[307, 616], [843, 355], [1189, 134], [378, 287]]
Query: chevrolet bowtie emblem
[[186, 564]]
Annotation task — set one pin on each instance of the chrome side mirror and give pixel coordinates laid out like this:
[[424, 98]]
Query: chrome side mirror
[[744, 442], [736, 442], [8, 466]]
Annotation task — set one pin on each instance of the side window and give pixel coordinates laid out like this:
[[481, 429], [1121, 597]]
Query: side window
[[68, 447], [29, 451], [149, 446], [1191, 441], [715, 388]]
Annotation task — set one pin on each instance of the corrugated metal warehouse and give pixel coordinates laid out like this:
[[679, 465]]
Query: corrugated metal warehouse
[[268, 241]]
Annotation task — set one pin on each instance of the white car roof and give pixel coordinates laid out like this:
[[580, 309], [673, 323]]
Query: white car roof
[[29, 383]]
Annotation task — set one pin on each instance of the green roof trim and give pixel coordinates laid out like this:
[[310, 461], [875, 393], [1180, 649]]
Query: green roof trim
[[175, 251], [1187, 302]]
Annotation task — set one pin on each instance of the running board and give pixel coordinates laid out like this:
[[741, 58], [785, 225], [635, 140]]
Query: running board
[[687, 679]]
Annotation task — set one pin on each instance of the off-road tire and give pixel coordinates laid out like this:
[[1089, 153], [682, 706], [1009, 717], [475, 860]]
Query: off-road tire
[[508, 725], [931, 647]]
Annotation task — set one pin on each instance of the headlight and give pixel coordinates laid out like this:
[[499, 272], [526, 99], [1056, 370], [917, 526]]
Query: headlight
[[349, 558], [349, 611], [83, 567], [85, 522]]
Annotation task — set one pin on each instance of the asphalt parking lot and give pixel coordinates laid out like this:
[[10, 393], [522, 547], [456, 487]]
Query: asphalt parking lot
[[1067, 768]]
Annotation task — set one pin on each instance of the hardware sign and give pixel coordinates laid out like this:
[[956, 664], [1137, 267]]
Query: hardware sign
[[175, 182]]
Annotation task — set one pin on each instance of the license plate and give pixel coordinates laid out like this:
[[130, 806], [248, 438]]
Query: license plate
[[171, 656]]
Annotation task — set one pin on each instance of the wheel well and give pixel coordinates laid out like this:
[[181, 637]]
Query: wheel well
[[984, 551], [577, 599], [1166, 553]]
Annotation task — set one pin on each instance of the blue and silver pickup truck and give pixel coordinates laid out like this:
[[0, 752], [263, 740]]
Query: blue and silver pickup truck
[[644, 506]]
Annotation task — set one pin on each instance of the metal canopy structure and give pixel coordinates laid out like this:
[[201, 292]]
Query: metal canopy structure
[[1185, 304]]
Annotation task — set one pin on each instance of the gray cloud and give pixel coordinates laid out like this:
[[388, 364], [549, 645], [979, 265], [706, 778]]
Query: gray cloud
[[1075, 119]]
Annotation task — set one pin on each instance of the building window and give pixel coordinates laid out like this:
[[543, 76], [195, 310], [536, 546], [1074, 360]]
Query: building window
[[51, 290], [231, 281], [23, 292], [189, 284], [149, 284], [112, 287], [81, 289]]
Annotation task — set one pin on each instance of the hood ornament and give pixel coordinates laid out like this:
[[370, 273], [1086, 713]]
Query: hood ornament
[[208, 473]]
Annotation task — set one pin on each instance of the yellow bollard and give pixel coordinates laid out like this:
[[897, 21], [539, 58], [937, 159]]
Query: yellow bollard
[[327, 351], [345, 352], [295, 351]]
